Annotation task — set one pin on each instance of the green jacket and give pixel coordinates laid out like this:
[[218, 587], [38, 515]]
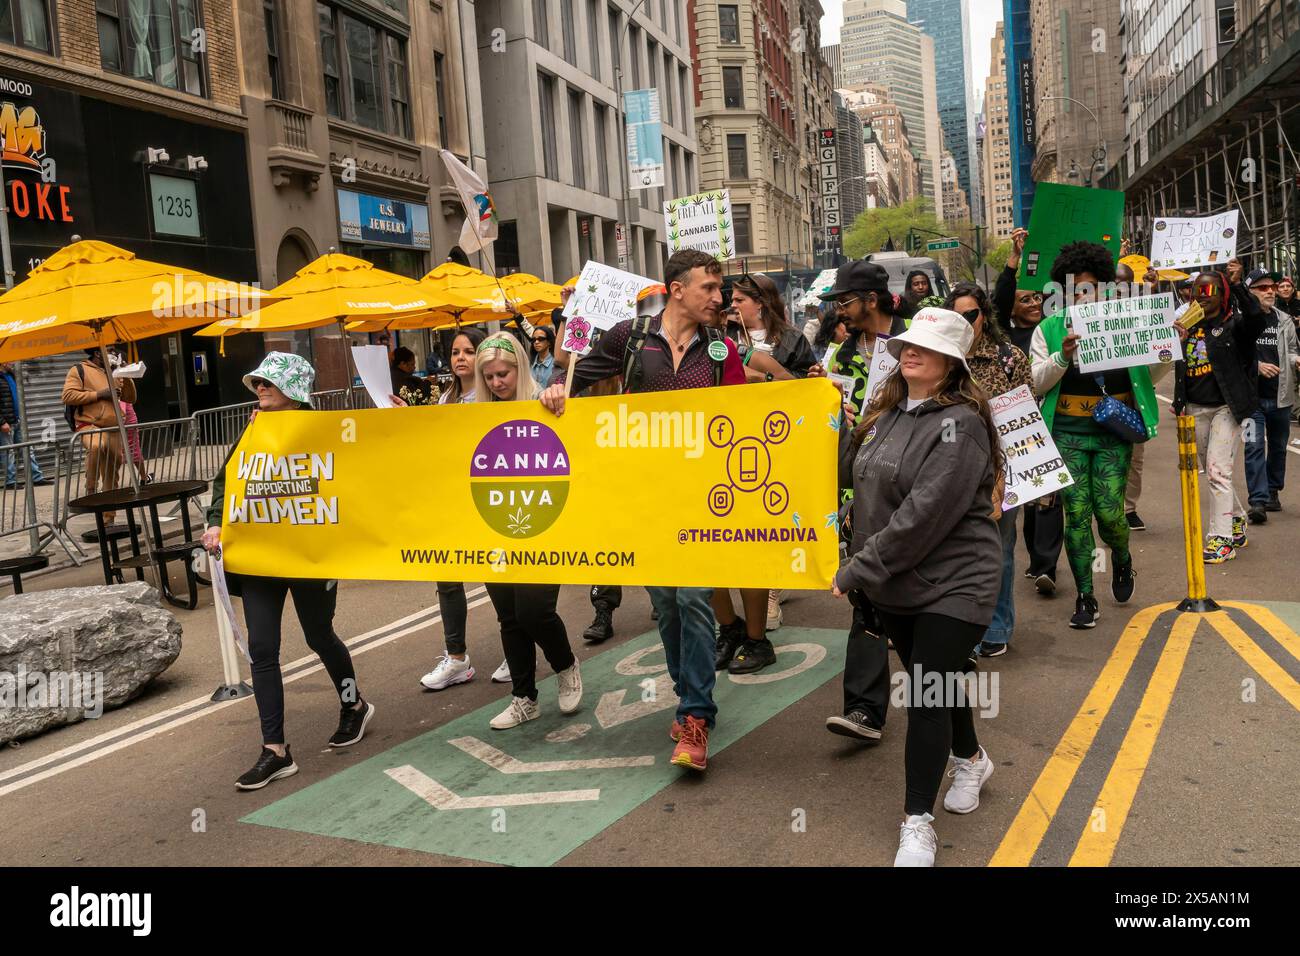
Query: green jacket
[[1144, 392]]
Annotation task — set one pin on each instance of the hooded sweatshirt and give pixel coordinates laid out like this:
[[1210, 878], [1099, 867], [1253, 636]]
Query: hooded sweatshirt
[[923, 538]]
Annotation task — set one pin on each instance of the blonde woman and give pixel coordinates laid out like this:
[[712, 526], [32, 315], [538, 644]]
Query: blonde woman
[[526, 612]]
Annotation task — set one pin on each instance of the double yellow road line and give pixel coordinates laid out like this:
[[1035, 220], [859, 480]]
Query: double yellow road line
[[1097, 843]]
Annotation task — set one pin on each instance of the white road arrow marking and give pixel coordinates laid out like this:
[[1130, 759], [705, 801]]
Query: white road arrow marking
[[812, 656], [440, 798], [500, 760]]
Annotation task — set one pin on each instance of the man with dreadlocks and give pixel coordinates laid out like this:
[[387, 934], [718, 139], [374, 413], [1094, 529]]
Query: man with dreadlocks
[[1098, 459]]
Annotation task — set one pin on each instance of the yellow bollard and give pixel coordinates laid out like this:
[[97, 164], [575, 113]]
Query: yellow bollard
[[1197, 601]]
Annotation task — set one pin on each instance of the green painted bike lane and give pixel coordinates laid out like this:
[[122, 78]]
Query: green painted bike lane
[[531, 795]]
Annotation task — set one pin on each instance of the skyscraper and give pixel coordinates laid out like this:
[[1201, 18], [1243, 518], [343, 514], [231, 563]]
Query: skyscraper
[[879, 47], [999, 188], [948, 23], [1022, 120]]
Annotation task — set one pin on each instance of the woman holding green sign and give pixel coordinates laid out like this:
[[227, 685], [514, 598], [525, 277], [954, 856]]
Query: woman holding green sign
[[1095, 421]]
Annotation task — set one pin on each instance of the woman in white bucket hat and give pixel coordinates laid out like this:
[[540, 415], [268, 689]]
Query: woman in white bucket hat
[[282, 382], [925, 468]]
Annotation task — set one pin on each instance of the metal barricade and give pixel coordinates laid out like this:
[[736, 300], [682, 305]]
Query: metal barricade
[[24, 509], [215, 432], [337, 400]]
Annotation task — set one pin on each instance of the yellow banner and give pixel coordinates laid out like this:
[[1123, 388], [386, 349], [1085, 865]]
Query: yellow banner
[[717, 487]]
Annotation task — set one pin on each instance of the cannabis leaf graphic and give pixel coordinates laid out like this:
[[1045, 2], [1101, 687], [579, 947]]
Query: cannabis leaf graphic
[[519, 521], [1037, 481], [1063, 478]]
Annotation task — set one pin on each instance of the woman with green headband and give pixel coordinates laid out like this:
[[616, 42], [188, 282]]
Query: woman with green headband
[[526, 612]]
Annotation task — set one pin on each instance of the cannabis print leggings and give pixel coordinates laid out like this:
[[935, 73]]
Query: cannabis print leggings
[[1099, 463]]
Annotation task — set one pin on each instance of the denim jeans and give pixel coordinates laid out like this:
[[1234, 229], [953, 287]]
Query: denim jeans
[[13, 437], [686, 626], [1004, 615], [1266, 451]]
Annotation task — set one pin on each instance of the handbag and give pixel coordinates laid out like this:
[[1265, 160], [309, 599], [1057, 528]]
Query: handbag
[[1117, 418]]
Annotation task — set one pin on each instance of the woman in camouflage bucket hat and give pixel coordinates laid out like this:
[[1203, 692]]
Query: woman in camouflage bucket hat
[[281, 383]]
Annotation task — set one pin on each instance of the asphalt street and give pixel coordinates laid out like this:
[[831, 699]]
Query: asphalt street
[[1157, 739]]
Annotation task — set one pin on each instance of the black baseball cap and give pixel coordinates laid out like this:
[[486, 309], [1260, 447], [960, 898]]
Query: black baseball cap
[[859, 276], [1259, 274]]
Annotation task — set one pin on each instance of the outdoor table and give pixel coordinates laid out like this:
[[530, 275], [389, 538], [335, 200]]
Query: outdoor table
[[148, 497]]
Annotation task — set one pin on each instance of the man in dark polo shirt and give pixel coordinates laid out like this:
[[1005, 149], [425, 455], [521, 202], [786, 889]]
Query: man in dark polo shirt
[[679, 349]]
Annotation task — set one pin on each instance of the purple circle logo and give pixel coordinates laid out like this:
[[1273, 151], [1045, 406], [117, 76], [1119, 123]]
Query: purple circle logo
[[519, 478]]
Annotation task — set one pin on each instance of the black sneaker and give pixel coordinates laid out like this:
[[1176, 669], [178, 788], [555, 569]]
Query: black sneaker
[[1256, 515], [268, 767], [992, 650], [1274, 503], [855, 724], [352, 724], [730, 637], [1030, 574], [1122, 585], [1135, 523], [1085, 612], [602, 628], [1046, 584], [752, 656]]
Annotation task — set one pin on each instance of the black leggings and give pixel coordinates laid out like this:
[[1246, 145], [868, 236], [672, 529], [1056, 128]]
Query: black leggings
[[934, 644], [263, 611], [455, 611], [528, 621]]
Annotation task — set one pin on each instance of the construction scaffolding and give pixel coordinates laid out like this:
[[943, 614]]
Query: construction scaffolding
[[1230, 143]]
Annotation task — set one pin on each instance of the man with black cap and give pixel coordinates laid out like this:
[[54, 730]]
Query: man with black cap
[[1270, 425], [861, 295]]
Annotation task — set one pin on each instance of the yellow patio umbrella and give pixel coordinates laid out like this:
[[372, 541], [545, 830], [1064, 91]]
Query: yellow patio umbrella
[[92, 294]]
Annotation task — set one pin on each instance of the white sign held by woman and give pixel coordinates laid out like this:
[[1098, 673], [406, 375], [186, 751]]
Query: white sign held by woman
[[1034, 467]]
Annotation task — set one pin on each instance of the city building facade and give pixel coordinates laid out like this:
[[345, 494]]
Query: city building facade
[[881, 189], [816, 108], [1022, 117], [996, 168], [956, 207], [874, 107], [852, 163]]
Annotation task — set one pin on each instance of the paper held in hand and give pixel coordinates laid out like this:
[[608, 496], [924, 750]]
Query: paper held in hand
[[604, 297], [372, 365], [1122, 333], [1034, 467], [882, 365]]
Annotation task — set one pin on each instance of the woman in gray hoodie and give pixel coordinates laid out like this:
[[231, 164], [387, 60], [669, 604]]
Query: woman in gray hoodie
[[926, 472]]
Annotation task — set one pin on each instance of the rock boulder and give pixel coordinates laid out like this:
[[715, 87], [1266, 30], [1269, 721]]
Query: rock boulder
[[70, 653]]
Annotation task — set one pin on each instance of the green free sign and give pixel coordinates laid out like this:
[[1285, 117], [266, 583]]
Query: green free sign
[[531, 795]]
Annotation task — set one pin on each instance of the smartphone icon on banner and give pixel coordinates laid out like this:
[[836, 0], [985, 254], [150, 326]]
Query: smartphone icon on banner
[[749, 464]]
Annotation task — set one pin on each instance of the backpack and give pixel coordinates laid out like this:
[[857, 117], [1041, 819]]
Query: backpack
[[70, 411], [639, 332]]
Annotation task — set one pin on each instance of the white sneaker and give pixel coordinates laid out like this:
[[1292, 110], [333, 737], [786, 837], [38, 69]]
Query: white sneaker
[[773, 610], [448, 671], [967, 778], [916, 842], [570, 682], [520, 710], [502, 674]]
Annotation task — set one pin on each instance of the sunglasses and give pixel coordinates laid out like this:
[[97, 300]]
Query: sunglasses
[[972, 315], [845, 301], [539, 338], [259, 383]]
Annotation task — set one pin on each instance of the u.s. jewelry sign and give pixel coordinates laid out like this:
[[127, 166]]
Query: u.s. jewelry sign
[[670, 489]]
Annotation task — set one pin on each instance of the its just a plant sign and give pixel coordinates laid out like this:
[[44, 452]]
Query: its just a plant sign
[[703, 222]]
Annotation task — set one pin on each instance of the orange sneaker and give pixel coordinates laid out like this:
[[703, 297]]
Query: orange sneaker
[[675, 732], [692, 750]]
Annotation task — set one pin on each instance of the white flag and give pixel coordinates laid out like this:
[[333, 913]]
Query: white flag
[[480, 227]]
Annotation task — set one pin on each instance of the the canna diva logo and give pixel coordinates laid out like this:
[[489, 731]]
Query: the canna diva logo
[[519, 478]]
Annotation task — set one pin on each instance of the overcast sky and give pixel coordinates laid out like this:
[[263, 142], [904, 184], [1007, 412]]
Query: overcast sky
[[985, 17]]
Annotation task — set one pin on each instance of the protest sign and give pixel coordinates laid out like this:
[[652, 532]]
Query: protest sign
[[1185, 243], [882, 364], [1064, 214], [1120, 333], [525, 497], [604, 297], [703, 222], [824, 282], [371, 362], [1033, 467]]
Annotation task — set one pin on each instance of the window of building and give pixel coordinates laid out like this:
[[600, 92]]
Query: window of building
[[634, 49], [541, 31], [366, 77], [566, 29], [737, 156], [728, 23], [440, 82], [1227, 24], [26, 23], [733, 91], [271, 16], [546, 94], [577, 149], [151, 40], [670, 88], [688, 169], [740, 219], [615, 34], [602, 148], [593, 36], [681, 89]]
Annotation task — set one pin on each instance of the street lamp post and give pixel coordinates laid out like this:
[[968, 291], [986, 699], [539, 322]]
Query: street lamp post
[[626, 201], [1099, 152]]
